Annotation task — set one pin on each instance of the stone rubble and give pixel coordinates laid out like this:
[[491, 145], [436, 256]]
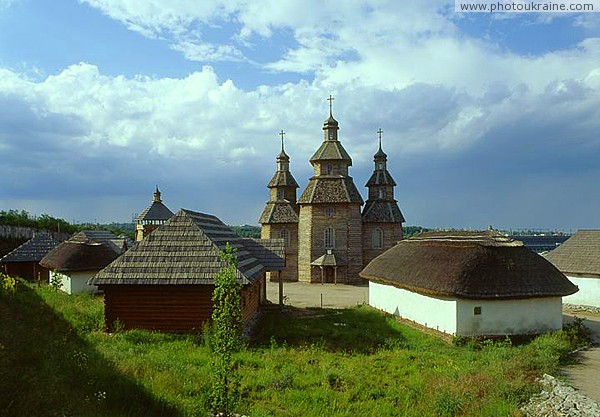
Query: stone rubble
[[558, 400]]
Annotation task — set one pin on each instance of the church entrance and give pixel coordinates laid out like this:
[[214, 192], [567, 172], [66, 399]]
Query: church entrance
[[329, 274]]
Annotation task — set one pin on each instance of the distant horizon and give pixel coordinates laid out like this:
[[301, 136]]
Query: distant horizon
[[486, 118]]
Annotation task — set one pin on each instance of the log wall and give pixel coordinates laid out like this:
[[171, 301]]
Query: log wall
[[172, 308]]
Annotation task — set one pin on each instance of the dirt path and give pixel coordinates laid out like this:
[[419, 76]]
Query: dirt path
[[585, 376], [300, 294]]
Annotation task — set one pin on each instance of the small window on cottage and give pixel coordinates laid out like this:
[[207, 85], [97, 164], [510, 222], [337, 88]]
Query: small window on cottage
[[285, 235], [329, 211], [377, 239], [477, 311], [329, 238]]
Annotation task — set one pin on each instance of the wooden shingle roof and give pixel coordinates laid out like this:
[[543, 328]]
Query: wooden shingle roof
[[580, 254], [330, 189], [184, 250], [278, 212], [331, 150], [33, 250], [472, 265], [382, 211]]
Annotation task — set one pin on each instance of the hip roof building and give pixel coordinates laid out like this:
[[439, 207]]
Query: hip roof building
[[579, 259]]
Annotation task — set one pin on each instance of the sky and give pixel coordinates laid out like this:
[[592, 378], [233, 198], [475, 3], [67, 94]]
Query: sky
[[488, 119]]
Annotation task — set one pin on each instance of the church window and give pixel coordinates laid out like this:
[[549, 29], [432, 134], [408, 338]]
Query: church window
[[329, 211], [285, 235], [380, 165], [380, 193], [377, 239], [329, 238], [280, 194], [329, 169]]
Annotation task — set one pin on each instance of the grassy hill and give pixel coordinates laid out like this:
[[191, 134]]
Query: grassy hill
[[56, 361]]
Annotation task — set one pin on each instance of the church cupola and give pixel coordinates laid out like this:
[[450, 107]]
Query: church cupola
[[330, 126], [381, 205], [282, 202], [157, 196]]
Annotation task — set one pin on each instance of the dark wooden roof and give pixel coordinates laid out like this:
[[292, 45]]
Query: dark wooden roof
[[331, 150], [269, 252], [329, 259], [184, 250], [330, 189], [580, 254], [279, 212], [382, 211], [155, 211], [283, 179], [472, 265], [380, 177], [33, 250]]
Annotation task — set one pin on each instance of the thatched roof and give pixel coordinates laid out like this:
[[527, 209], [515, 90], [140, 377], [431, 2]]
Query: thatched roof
[[473, 265], [580, 254], [79, 255], [33, 250], [184, 250]]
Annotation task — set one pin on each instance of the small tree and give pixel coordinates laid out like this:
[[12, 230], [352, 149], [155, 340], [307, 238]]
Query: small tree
[[225, 335]]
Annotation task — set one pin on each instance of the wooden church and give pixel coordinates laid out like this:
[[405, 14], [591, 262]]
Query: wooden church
[[329, 238]]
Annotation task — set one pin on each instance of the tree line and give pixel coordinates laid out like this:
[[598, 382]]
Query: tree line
[[23, 218]]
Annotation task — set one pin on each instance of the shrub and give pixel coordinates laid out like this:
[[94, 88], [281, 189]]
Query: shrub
[[8, 285]]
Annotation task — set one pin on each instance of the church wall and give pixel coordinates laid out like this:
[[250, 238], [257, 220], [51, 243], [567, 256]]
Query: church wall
[[272, 231], [392, 233], [347, 224], [355, 249], [304, 244]]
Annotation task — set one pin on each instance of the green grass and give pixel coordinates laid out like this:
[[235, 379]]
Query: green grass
[[56, 361]]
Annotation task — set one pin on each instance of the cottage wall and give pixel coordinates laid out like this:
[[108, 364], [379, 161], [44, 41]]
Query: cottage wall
[[74, 282], [509, 317], [458, 316], [436, 313], [589, 291]]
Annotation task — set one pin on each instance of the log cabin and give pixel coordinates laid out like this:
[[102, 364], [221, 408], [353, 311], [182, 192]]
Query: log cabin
[[24, 260], [166, 281]]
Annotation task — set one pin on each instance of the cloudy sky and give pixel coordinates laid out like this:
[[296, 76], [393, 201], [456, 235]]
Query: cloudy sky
[[487, 119]]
